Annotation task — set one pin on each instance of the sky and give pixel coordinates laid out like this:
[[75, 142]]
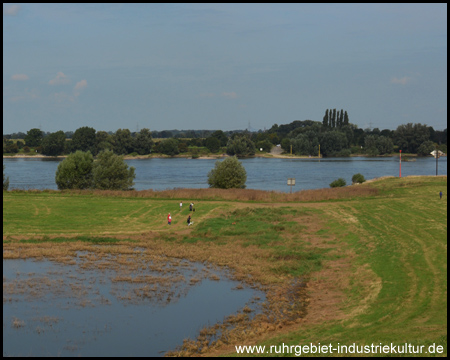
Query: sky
[[222, 66]]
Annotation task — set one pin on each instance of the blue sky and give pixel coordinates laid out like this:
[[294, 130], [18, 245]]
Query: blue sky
[[221, 66]]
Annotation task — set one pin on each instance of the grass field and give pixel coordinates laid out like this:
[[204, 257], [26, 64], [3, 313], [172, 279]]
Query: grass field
[[365, 266]]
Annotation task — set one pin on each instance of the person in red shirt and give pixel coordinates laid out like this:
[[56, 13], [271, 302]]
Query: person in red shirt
[[169, 219]]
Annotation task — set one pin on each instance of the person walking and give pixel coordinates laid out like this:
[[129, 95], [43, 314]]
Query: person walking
[[169, 219], [440, 195], [189, 220], [181, 205]]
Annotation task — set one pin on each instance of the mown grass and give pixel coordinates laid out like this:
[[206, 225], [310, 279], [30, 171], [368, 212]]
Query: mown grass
[[402, 237]]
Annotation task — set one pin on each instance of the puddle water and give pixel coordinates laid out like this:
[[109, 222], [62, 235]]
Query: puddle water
[[100, 307]]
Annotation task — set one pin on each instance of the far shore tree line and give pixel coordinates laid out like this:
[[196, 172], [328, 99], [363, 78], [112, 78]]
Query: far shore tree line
[[335, 135]]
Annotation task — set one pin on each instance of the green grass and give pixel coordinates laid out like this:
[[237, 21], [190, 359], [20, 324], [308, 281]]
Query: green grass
[[397, 289], [41, 213], [402, 236]]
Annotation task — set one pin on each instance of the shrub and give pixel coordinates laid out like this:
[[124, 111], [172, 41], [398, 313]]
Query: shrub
[[75, 171], [227, 174], [358, 179], [110, 172], [338, 183], [5, 181]]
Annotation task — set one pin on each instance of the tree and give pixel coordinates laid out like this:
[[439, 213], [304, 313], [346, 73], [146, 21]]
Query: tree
[[370, 145], [220, 135], [325, 119], [5, 181], [143, 142], [332, 142], [426, 148], [213, 144], [53, 144], [241, 145], [333, 119], [104, 141], [84, 139], [227, 174], [111, 172], [123, 142], [75, 171], [385, 145], [410, 136], [169, 147], [34, 137], [345, 122], [266, 145]]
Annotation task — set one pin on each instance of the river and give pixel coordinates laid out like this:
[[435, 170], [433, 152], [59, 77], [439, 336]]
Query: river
[[262, 173]]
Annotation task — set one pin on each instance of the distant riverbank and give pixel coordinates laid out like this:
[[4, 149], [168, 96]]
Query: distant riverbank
[[207, 157]]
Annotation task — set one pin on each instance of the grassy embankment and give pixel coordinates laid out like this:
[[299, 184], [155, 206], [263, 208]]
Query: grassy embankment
[[365, 264]]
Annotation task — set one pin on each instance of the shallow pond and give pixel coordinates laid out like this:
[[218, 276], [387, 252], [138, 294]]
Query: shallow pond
[[77, 309]]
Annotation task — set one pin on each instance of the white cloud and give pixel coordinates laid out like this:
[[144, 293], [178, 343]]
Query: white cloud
[[402, 81], [59, 79], [20, 77], [80, 85], [11, 10], [231, 95]]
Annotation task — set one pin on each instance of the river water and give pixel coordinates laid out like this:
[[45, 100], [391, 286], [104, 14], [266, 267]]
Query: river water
[[262, 173]]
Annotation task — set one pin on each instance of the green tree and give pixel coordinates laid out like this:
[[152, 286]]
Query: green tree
[[53, 144], [266, 145], [143, 142], [123, 142], [220, 135], [341, 119], [325, 119], [111, 172], [75, 171], [345, 122], [332, 142], [34, 137], [5, 181], [213, 144], [370, 145], [10, 146], [385, 145], [241, 145], [169, 147], [409, 137], [333, 119], [426, 148], [227, 174], [84, 139], [104, 141]]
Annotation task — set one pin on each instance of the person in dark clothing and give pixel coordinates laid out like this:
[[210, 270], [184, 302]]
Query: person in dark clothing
[[189, 220], [440, 195]]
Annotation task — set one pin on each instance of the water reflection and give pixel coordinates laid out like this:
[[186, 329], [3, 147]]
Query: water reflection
[[89, 307]]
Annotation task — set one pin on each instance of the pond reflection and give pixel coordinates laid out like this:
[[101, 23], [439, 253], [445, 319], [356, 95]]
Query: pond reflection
[[113, 305]]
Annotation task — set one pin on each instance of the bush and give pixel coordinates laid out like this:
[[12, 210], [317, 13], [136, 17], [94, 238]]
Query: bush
[[338, 183], [5, 181], [75, 171], [110, 172], [227, 174], [358, 179]]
